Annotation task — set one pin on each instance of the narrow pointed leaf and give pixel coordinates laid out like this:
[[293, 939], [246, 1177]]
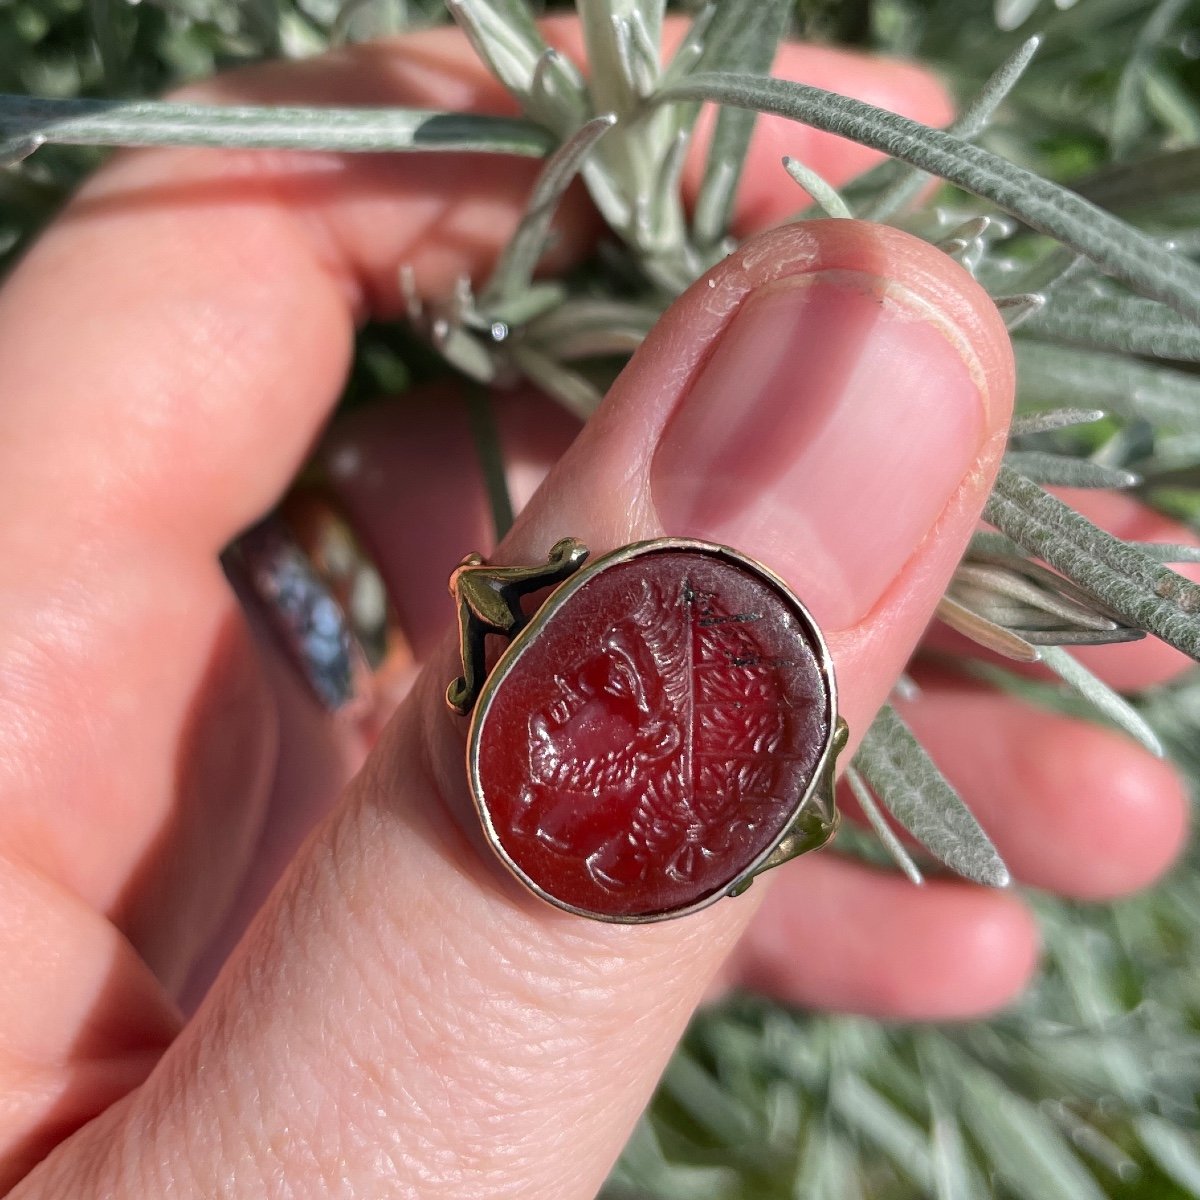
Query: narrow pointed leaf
[[644, 28], [462, 350], [1012, 14], [718, 1112], [829, 1166], [514, 271], [883, 831], [1024, 1149], [1118, 710], [645, 1164], [1146, 594], [352, 130], [742, 37], [584, 327], [111, 28], [1085, 1136], [1173, 1149], [948, 1152], [968, 231], [569, 388], [1052, 375], [1024, 424], [1117, 248], [1061, 470], [515, 310], [1132, 442], [1172, 102], [986, 633], [692, 48], [1126, 326], [589, 343], [1017, 309], [1083, 637], [824, 194], [918, 795], [17, 149], [609, 54], [1036, 585], [971, 124], [505, 35], [877, 1120], [1126, 121]]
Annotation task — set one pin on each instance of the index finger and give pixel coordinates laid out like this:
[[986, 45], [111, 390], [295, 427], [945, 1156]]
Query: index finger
[[208, 300], [168, 353]]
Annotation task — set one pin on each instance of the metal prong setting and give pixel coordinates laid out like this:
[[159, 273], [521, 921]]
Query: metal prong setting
[[817, 821], [489, 601]]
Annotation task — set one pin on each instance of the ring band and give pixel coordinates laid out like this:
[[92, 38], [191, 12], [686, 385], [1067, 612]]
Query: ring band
[[658, 731], [322, 596]]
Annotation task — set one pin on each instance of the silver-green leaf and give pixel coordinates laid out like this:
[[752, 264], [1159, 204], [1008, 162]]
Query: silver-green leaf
[[824, 195], [1024, 424], [1118, 710], [921, 799], [1050, 375], [883, 831], [1117, 248], [1061, 470], [1018, 308], [1124, 326], [985, 632], [505, 36], [1026, 1151], [741, 37], [347, 130], [1144, 593], [514, 270], [973, 121], [1172, 1149]]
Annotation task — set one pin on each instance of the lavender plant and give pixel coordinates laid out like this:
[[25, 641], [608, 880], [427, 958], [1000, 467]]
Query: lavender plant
[[1085, 1089]]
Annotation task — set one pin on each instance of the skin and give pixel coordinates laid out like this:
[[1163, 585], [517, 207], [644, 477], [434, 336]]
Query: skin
[[389, 1016]]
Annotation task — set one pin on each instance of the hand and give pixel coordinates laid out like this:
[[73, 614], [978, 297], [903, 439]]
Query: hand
[[397, 1019]]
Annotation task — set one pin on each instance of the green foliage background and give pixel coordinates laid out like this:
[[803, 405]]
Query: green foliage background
[[1088, 1087]]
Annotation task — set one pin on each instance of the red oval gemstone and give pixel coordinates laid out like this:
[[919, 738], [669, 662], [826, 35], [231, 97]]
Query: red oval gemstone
[[648, 740]]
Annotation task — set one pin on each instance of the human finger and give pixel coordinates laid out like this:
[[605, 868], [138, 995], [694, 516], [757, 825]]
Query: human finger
[[839, 935], [211, 298], [466, 1037], [403, 473], [388, 460], [1033, 778], [1072, 807]]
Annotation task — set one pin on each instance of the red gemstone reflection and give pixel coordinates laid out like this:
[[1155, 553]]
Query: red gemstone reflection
[[653, 737]]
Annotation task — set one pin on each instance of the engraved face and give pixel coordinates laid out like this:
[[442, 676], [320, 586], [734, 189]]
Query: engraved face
[[636, 751]]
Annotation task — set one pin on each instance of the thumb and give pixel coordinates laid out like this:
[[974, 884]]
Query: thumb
[[401, 1019]]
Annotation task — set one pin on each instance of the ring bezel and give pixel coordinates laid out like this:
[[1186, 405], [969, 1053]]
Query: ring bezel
[[796, 835]]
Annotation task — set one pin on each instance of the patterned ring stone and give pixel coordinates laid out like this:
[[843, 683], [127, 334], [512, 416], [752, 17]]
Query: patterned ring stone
[[644, 743]]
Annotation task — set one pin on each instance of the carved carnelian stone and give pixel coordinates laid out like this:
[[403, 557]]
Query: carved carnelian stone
[[648, 738]]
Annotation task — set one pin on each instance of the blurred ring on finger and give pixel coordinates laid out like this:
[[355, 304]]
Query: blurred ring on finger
[[323, 597]]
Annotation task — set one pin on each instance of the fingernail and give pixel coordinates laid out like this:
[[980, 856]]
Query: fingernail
[[837, 415]]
